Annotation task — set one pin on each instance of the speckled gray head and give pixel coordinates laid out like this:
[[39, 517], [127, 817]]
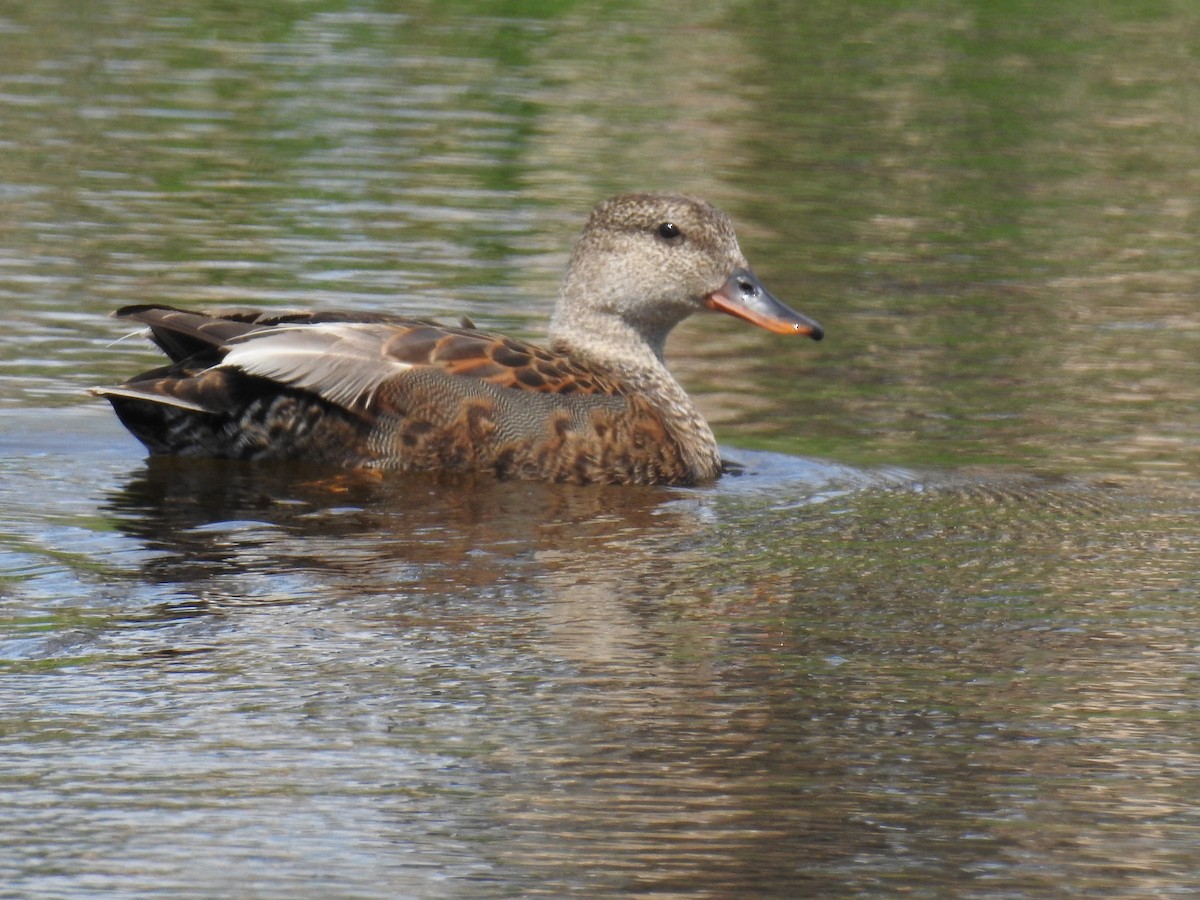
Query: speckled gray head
[[645, 262]]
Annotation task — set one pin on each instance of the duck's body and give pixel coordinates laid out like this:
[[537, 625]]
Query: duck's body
[[354, 390], [361, 389]]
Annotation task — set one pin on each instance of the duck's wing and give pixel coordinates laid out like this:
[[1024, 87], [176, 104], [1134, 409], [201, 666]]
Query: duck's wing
[[343, 357], [185, 335]]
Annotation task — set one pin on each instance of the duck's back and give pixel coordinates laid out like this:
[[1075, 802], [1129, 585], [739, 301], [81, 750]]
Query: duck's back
[[353, 389]]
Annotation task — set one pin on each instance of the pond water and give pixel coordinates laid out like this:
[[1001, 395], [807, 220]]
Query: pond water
[[939, 635]]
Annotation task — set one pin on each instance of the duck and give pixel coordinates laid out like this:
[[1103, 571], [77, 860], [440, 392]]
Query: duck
[[374, 390]]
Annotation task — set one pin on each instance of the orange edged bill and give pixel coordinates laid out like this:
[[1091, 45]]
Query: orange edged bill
[[743, 295]]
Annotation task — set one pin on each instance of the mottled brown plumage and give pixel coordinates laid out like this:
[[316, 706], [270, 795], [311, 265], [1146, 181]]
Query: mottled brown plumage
[[368, 389]]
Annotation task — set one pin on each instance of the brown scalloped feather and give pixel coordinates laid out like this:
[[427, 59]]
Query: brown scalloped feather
[[493, 358]]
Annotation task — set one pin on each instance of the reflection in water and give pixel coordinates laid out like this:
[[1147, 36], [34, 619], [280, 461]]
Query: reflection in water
[[577, 558], [368, 522]]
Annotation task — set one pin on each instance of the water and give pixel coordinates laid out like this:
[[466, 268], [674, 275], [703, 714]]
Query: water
[[937, 637]]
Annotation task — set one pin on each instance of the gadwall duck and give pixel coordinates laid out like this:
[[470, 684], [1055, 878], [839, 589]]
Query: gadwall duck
[[356, 389]]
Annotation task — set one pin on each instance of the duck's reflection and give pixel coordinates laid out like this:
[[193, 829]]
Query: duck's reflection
[[591, 565], [357, 531]]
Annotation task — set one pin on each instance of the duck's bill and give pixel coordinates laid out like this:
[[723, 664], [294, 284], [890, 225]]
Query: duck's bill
[[743, 295]]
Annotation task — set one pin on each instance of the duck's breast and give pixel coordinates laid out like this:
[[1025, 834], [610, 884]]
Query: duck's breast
[[429, 419]]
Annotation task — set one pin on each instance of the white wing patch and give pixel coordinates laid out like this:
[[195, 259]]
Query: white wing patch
[[341, 361], [135, 394]]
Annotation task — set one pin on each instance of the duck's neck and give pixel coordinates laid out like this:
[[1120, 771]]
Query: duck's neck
[[610, 345]]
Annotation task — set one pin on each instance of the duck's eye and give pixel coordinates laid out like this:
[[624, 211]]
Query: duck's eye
[[669, 230]]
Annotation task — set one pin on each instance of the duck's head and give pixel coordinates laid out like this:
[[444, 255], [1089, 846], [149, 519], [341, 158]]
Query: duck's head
[[645, 262]]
